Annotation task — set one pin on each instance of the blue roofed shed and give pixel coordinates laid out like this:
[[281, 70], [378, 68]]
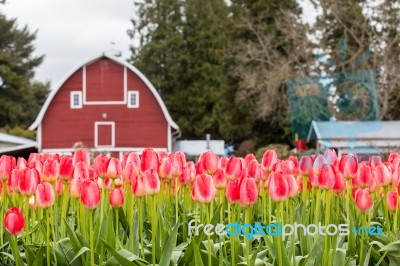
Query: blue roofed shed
[[361, 137]]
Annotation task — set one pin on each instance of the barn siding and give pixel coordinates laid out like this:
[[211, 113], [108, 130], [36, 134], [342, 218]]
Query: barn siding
[[145, 126]]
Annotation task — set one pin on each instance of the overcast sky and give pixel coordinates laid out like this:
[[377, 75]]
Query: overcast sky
[[72, 31]]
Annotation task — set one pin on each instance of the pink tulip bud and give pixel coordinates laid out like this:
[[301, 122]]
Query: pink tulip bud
[[90, 194], [165, 168], [248, 192], [66, 168], [382, 175], [81, 170], [149, 160], [131, 157], [203, 190], [33, 157], [348, 165], [233, 191], [269, 159], [254, 170], [209, 161], [22, 164], [113, 168], [364, 176], [13, 181], [282, 167], [331, 157], [374, 161], [392, 200], [45, 196], [116, 198], [248, 158], [28, 182], [293, 185], [100, 165], [81, 156], [59, 187], [176, 164], [326, 177], [151, 182], [138, 186], [75, 187], [306, 165], [340, 183], [363, 199], [278, 187], [393, 156], [222, 163], [219, 179], [14, 221], [234, 168], [50, 171], [5, 167]]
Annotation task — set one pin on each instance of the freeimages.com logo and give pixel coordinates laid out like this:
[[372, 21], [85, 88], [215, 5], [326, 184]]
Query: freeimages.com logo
[[280, 229]]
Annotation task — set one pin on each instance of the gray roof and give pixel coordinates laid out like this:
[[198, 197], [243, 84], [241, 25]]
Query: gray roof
[[15, 139], [354, 130], [196, 147]]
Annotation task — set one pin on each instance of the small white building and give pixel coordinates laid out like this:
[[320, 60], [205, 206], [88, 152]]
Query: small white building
[[16, 146]]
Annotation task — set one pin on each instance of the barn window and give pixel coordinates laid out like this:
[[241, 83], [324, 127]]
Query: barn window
[[133, 99], [76, 99]]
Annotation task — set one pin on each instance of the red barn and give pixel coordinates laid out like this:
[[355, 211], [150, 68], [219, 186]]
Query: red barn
[[107, 105]]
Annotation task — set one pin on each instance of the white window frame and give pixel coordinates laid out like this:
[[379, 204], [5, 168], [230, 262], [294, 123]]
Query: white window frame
[[136, 105], [96, 133], [73, 93]]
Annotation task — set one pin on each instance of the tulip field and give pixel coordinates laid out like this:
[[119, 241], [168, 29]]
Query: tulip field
[[157, 208]]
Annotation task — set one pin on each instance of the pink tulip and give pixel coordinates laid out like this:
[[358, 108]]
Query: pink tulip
[[151, 182], [392, 200], [50, 171], [382, 175], [222, 163], [374, 161], [28, 182], [393, 156], [33, 157], [81, 156], [364, 176], [5, 167], [319, 162], [282, 167], [340, 183], [269, 159], [293, 185], [209, 162], [331, 157], [138, 186], [187, 176], [165, 168], [66, 168], [45, 196], [149, 160], [14, 221], [348, 165], [113, 168], [90, 194], [81, 170], [13, 181], [233, 168], [254, 170], [75, 187], [177, 164], [305, 165], [59, 187], [130, 172], [219, 179], [133, 158], [278, 187], [22, 164], [248, 192], [248, 158], [100, 165], [326, 177], [363, 199], [203, 190], [116, 198]]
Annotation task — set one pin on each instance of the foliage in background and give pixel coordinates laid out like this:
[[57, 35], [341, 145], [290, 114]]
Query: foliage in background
[[20, 97]]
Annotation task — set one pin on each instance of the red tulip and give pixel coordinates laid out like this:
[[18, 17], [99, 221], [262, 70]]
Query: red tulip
[[269, 159], [116, 198], [138, 186], [81, 156], [382, 175], [364, 176], [278, 187], [203, 190], [326, 177], [45, 195], [340, 183], [219, 179], [293, 185], [66, 168], [14, 221], [13, 181], [75, 187], [113, 168], [233, 168], [209, 161], [28, 182], [392, 200], [149, 160], [100, 165], [81, 170], [233, 191], [90, 194], [248, 192], [5, 167], [151, 182], [348, 165], [363, 199], [50, 171], [165, 169]]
